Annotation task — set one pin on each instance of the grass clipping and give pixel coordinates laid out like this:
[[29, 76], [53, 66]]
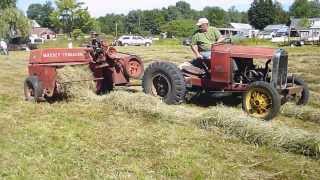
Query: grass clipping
[[76, 82], [305, 113], [232, 121]]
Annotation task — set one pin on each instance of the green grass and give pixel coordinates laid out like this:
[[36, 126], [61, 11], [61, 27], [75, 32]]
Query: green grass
[[132, 136]]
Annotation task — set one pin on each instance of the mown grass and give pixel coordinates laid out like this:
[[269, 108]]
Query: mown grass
[[99, 138]]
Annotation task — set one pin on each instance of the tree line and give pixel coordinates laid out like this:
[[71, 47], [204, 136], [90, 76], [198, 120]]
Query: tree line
[[72, 16]]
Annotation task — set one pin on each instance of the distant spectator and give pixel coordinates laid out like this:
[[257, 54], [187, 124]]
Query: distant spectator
[[3, 47]]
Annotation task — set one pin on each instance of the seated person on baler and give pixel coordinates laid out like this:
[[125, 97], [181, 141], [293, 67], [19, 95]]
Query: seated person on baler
[[202, 40]]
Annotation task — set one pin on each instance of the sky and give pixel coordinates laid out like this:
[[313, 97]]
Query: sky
[[102, 7]]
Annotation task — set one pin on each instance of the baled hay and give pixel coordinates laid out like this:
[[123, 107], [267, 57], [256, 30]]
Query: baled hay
[[306, 113], [71, 79], [255, 131]]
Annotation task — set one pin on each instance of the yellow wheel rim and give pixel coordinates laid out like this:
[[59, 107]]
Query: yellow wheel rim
[[258, 102]]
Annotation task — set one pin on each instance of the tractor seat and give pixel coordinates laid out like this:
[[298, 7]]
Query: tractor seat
[[190, 69]]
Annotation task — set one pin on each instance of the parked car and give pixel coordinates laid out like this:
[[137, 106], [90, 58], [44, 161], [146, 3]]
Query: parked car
[[186, 42], [134, 41], [266, 35]]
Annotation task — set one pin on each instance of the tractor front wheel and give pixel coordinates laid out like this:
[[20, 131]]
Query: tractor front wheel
[[165, 80], [262, 101], [33, 90]]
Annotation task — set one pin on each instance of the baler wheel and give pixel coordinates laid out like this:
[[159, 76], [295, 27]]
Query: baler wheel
[[165, 80], [33, 90], [261, 101], [303, 98]]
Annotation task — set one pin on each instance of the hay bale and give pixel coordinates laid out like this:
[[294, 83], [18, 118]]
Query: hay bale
[[72, 87], [305, 113]]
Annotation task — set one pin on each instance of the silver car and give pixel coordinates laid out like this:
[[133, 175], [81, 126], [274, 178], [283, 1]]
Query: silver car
[[134, 41]]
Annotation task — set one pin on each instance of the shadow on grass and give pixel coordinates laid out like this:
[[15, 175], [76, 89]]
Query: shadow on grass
[[214, 99]]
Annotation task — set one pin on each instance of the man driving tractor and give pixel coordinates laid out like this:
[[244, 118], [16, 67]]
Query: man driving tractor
[[202, 41]]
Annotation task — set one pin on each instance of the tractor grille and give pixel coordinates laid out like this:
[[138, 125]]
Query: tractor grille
[[280, 69]]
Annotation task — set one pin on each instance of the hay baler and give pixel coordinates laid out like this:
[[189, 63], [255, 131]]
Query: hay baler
[[109, 68]]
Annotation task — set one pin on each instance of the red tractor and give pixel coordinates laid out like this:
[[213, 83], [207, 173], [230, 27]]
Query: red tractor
[[260, 75], [109, 69]]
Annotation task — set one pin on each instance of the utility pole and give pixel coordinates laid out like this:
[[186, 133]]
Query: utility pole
[[116, 30]]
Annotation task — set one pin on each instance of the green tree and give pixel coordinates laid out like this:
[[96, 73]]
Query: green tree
[[280, 15], [70, 15], [304, 22], [112, 23], [7, 4], [234, 15], [179, 28], [41, 13], [315, 8], [261, 13], [13, 23], [300, 9], [216, 15], [133, 22]]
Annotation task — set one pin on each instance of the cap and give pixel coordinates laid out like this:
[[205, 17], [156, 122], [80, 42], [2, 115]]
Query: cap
[[202, 21]]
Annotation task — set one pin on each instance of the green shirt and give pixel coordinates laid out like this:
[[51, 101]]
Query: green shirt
[[204, 40]]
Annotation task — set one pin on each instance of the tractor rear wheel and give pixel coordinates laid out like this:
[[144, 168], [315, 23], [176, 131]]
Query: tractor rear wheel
[[33, 90], [303, 98], [164, 79], [261, 101]]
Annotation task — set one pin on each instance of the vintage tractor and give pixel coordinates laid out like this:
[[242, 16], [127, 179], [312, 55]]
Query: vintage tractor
[[260, 75], [109, 68]]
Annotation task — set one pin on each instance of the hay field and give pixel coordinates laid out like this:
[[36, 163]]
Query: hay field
[[133, 136]]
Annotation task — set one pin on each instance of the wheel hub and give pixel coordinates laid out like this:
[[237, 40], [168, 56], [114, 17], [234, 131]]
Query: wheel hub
[[259, 102], [161, 86]]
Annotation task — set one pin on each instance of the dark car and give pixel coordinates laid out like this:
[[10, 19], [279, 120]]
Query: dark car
[[186, 42]]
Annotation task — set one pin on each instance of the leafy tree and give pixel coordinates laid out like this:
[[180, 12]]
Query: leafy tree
[[261, 13], [280, 15], [216, 15], [179, 28], [41, 13], [7, 4], [300, 9], [111, 23], [13, 23], [70, 15], [315, 8], [152, 21], [133, 22], [234, 15], [304, 22]]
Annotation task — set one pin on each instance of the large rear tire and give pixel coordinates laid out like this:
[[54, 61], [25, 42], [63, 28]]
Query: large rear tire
[[33, 90], [262, 101], [303, 98], [164, 79]]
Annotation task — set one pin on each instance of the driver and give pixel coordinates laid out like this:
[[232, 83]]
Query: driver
[[202, 41], [95, 40]]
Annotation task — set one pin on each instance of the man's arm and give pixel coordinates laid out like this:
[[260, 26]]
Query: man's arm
[[219, 37], [196, 52]]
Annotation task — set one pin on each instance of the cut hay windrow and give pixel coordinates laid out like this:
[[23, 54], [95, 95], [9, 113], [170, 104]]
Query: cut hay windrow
[[149, 106], [76, 82], [305, 113], [254, 131], [232, 121]]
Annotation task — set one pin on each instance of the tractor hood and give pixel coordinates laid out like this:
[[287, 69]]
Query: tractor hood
[[244, 51]]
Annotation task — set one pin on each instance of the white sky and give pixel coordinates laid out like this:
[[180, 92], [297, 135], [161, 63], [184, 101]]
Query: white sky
[[101, 7]]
